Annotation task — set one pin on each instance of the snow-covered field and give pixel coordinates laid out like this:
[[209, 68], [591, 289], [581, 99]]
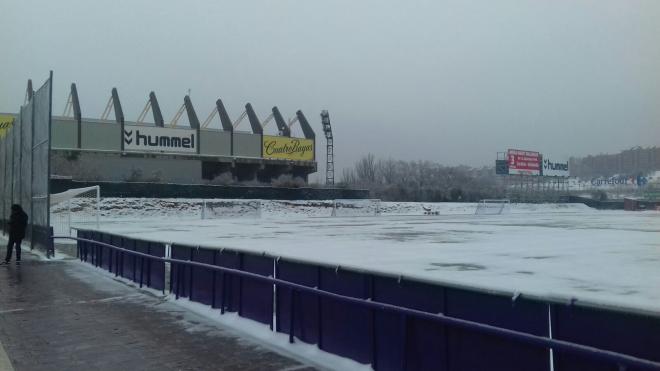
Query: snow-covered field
[[563, 251]]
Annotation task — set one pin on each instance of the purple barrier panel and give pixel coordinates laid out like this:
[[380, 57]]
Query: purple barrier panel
[[346, 328], [82, 245], [142, 266], [96, 249], [306, 306], [256, 297], [157, 268], [105, 251], [128, 261], [202, 279], [116, 254], [179, 273], [410, 344], [227, 286], [633, 334], [471, 350]]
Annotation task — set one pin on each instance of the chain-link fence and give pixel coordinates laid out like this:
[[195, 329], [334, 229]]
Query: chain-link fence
[[25, 158]]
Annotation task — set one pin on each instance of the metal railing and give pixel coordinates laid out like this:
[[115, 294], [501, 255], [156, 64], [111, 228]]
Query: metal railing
[[622, 361]]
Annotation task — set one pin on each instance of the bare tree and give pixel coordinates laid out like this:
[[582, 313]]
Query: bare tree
[[422, 180], [365, 169]]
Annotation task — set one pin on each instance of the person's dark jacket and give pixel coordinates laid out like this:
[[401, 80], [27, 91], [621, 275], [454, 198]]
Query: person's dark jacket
[[17, 223]]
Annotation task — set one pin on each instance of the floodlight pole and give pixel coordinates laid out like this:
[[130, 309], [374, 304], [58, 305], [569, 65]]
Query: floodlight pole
[[329, 151]]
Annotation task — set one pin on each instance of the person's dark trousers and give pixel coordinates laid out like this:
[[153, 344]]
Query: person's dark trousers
[[10, 247]]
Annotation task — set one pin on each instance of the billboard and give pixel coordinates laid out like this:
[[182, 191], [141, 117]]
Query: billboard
[[501, 167], [285, 148], [157, 139], [551, 167], [524, 162], [6, 122], [620, 181]]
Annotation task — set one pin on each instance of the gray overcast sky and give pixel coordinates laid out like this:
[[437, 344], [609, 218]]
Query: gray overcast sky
[[447, 81]]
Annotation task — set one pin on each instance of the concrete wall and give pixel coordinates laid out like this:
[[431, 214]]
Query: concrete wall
[[247, 144], [101, 136], [116, 167], [215, 142], [64, 133]]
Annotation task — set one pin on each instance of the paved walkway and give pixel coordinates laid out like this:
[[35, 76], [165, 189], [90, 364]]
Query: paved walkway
[[64, 315]]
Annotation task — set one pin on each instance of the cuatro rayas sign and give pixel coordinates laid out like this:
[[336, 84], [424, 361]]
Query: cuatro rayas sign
[[6, 123], [156, 139], [286, 148]]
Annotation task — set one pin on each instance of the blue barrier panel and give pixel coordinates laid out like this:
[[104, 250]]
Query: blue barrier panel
[[410, 343], [202, 279], [179, 273], [469, 350], [227, 287], [628, 333], [306, 322], [256, 297], [346, 328], [157, 268]]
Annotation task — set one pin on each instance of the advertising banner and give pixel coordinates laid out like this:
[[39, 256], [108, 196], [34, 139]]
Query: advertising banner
[[157, 139], [620, 181], [551, 167], [524, 162], [285, 148], [6, 123]]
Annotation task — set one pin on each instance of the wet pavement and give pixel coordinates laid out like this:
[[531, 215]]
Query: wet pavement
[[64, 315]]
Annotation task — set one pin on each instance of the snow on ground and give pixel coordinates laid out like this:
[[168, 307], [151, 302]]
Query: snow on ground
[[562, 251]]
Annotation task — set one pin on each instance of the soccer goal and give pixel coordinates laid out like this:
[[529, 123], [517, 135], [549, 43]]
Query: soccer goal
[[356, 207], [219, 209], [77, 207], [492, 207]]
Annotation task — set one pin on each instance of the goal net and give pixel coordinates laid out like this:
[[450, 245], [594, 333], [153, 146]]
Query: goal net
[[492, 207], [218, 209], [357, 207], [77, 207]]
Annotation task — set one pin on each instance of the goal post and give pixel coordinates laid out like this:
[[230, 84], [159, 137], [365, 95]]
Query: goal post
[[492, 206], [220, 209], [77, 207], [356, 207]]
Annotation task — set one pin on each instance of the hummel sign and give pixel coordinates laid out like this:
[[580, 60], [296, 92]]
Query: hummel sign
[[156, 139]]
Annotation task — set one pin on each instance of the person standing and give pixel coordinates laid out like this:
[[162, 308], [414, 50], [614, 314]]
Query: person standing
[[17, 225]]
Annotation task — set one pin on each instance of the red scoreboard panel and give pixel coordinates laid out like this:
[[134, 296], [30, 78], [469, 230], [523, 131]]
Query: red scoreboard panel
[[524, 162]]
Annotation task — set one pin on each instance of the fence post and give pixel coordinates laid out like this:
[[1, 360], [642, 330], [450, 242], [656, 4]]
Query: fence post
[[121, 258], [292, 315], [99, 256], [190, 283], [134, 262], [223, 276], [320, 308], [213, 285], [141, 270], [111, 252], [404, 343], [117, 255], [178, 280], [50, 252], [149, 265]]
